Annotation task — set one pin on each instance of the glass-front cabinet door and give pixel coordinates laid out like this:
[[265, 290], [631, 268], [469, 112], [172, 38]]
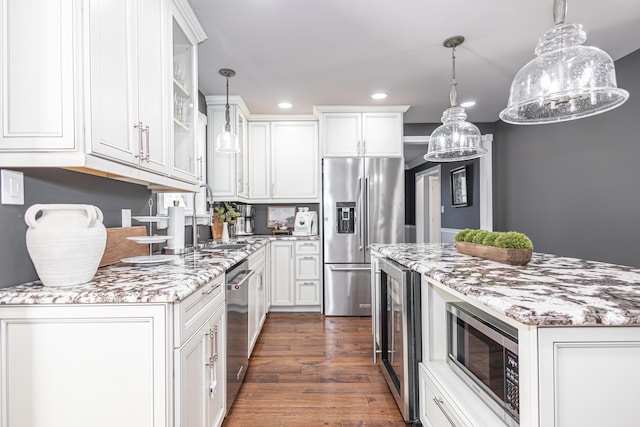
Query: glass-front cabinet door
[[184, 102]]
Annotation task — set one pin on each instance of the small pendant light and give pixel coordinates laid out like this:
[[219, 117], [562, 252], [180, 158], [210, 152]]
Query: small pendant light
[[566, 81], [227, 141], [456, 139]]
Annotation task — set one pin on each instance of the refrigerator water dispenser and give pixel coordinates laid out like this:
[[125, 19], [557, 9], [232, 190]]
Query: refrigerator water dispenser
[[346, 217]]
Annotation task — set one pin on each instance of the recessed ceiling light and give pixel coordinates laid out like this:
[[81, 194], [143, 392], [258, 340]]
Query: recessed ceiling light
[[285, 105], [379, 95], [468, 104]]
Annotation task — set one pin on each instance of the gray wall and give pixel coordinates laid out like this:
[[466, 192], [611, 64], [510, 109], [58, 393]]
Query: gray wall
[[60, 186], [574, 187], [460, 217]]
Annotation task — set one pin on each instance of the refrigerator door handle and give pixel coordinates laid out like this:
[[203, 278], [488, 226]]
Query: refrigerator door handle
[[366, 210], [332, 268], [360, 214]]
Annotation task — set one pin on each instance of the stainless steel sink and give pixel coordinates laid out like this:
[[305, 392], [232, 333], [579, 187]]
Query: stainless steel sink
[[228, 247]]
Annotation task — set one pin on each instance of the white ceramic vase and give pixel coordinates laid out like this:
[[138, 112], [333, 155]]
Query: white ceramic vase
[[225, 231], [66, 242]]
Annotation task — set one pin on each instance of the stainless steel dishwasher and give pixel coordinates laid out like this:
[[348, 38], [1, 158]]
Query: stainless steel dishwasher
[[237, 306]]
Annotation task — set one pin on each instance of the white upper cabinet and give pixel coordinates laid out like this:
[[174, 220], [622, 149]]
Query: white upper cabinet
[[259, 164], [127, 84], [38, 71], [226, 171], [361, 131], [88, 85], [294, 160], [283, 160], [186, 33]]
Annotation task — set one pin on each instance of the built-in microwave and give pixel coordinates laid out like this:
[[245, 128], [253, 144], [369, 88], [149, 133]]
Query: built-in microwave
[[483, 351]]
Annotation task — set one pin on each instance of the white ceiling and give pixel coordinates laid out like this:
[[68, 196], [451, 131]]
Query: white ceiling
[[333, 52]]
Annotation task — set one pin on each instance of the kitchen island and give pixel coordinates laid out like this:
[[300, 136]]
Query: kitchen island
[[578, 326], [147, 342]]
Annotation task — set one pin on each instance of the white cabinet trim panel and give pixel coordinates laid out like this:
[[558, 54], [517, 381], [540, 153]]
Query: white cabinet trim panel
[[63, 376]]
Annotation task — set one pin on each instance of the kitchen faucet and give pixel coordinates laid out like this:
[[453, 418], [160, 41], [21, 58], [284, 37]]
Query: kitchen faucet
[[194, 224]]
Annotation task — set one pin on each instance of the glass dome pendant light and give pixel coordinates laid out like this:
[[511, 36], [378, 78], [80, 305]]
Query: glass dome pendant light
[[227, 141], [456, 139], [566, 81]]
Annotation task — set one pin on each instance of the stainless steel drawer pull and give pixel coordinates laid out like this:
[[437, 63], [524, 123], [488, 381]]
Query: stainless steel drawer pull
[[208, 291], [440, 403]]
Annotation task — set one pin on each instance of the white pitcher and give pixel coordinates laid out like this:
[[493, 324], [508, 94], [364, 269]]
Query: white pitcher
[[66, 242]]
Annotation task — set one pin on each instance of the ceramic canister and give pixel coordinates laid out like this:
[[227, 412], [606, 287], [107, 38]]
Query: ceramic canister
[[66, 242]]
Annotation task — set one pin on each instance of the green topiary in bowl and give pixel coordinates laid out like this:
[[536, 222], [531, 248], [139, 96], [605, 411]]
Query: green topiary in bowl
[[479, 236], [471, 235], [490, 238], [459, 237], [513, 240]]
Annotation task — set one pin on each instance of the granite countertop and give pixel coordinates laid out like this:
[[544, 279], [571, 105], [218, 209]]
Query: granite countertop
[[550, 290], [129, 283]]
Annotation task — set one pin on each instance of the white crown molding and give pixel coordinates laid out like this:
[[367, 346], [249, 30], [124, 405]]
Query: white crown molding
[[190, 17], [233, 99], [317, 109], [276, 117]]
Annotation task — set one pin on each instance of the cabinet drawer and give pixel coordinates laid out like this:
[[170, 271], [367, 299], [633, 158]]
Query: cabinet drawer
[[257, 259], [435, 411], [308, 292], [197, 308], [307, 247], [308, 267]]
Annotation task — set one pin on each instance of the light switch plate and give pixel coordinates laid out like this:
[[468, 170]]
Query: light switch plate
[[12, 187]]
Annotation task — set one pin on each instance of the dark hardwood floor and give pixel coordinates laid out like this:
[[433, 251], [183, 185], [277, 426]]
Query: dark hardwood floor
[[311, 370]]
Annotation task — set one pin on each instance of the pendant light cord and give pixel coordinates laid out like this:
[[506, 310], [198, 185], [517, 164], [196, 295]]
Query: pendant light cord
[[453, 92], [227, 116]]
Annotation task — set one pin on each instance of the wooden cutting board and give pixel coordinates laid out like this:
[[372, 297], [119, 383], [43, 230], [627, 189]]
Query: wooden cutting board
[[118, 246]]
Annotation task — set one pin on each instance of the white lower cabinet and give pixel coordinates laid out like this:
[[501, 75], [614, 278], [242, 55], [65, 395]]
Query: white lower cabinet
[[154, 365], [589, 376], [295, 276], [199, 370], [84, 365], [257, 291], [282, 274]]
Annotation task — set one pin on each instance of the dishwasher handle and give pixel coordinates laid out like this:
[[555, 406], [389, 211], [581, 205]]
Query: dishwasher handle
[[237, 286]]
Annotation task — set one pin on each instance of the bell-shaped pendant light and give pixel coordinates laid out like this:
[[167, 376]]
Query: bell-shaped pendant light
[[566, 81], [456, 139], [227, 141]]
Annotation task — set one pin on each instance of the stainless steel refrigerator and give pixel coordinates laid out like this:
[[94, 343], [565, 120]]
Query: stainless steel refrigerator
[[363, 203]]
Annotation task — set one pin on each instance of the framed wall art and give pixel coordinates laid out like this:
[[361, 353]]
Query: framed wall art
[[281, 216], [459, 187]]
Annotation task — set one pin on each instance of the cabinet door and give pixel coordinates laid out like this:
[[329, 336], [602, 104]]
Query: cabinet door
[[382, 134], [63, 365], [112, 63], [216, 370], [341, 134], [607, 357], [294, 160], [253, 312], [221, 166], [199, 375], [152, 83], [192, 373], [186, 163], [308, 292], [282, 278], [262, 309], [37, 71], [242, 159], [307, 267], [259, 150]]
